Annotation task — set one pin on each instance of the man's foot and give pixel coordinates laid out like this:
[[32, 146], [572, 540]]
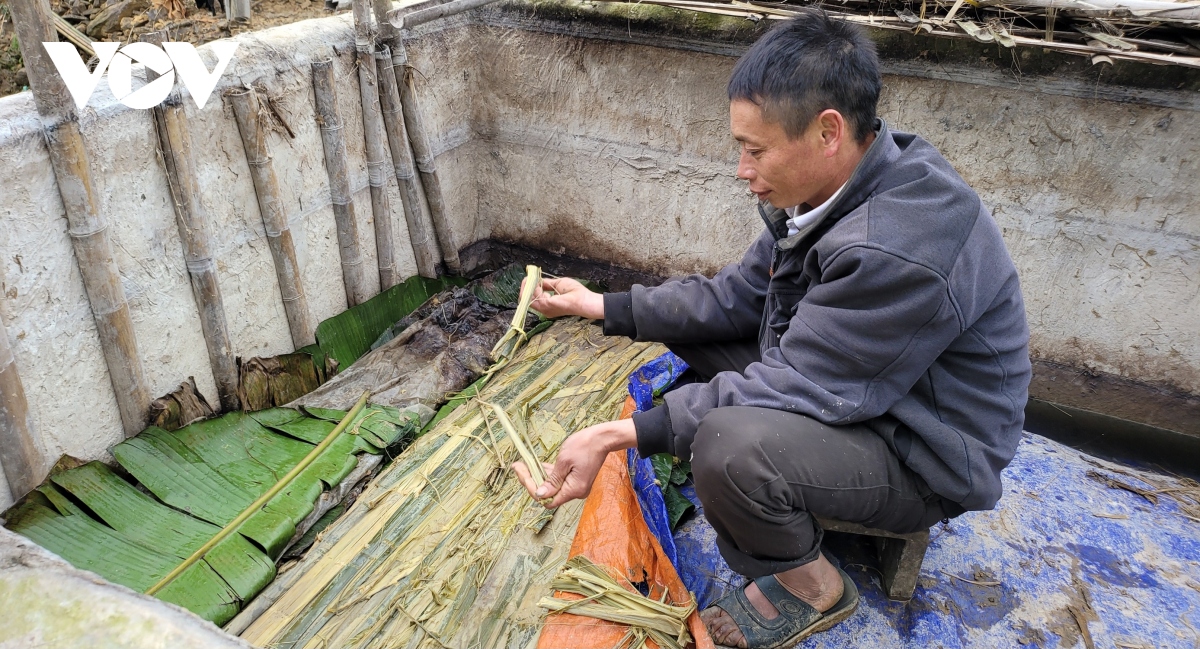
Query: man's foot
[[819, 584]]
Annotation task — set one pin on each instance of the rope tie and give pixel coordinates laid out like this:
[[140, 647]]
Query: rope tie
[[83, 235], [375, 173], [197, 266], [121, 304], [339, 195], [425, 165]]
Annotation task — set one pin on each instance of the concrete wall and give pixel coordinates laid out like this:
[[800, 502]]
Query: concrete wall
[[603, 143]]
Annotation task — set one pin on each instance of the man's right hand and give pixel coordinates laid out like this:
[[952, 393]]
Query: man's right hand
[[565, 296], [579, 460]]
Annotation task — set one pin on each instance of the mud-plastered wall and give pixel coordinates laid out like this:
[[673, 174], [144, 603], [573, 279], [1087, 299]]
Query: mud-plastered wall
[[1100, 208], [614, 152], [613, 148]]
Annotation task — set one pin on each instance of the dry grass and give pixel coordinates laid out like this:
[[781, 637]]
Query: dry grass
[[1184, 492], [605, 598]]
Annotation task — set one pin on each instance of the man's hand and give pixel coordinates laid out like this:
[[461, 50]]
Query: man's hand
[[565, 296], [579, 460]]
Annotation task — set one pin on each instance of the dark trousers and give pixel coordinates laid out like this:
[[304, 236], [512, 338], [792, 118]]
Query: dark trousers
[[764, 475]]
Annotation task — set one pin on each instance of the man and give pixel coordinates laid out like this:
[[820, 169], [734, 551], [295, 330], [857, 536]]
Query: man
[[866, 360]]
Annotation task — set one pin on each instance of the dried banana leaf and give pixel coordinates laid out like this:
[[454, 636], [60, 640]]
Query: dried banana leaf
[[181, 407], [605, 598], [276, 380]]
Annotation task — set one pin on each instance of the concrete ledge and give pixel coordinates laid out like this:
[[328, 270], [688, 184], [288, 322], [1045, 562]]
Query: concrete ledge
[[46, 603]]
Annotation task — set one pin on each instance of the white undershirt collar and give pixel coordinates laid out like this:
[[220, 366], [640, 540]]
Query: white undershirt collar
[[798, 223]]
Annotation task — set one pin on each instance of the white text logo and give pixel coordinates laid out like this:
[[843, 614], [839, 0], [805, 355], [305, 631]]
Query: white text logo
[[177, 57]]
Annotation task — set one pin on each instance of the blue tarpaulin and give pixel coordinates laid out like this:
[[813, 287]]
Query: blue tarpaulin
[[1065, 560]]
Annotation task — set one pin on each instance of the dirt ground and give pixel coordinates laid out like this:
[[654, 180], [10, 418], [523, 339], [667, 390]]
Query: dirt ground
[[126, 20]]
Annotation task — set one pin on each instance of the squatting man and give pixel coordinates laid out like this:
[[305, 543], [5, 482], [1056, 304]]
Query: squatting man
[[866, 360]]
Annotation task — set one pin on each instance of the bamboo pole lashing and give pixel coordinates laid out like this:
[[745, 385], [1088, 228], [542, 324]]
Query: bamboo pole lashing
[[195, 233], [333, 140], [246, 110], [23, 463], [86, 226], [262, 500], [420, 236], [375, 138]]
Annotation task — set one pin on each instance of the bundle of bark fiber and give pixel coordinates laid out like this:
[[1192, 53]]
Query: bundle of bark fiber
[[445, 548]]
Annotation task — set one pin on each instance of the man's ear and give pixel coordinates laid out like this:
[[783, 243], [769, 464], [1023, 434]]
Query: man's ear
[[833, 131]]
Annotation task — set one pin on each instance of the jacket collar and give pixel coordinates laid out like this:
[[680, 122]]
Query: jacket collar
[[882, 152]]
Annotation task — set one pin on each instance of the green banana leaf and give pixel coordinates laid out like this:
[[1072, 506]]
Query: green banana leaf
[[214, 469], [206, 474], [501, 288], [670, 473], [120, 559], [348, 335], [150, 524]]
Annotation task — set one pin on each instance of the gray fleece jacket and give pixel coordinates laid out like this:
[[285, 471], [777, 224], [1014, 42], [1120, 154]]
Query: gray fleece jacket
[[901, 309]]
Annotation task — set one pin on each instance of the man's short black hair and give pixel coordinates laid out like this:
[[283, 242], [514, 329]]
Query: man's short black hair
[[808, 64]]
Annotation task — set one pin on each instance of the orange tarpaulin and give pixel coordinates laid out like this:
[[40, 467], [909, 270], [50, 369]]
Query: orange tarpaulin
[[612, 533]]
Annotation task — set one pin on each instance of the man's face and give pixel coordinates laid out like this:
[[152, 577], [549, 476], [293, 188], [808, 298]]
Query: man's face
[[782, 170]]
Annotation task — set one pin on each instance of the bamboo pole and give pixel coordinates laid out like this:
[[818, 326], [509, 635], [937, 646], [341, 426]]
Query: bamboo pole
[[23, 464], [86, 226], [263, 499], [334, 141], [409, 17], [195, 233], [376, 138], [422, 151], [424, 243], [270, 203], [417, 209], [426, 167]]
